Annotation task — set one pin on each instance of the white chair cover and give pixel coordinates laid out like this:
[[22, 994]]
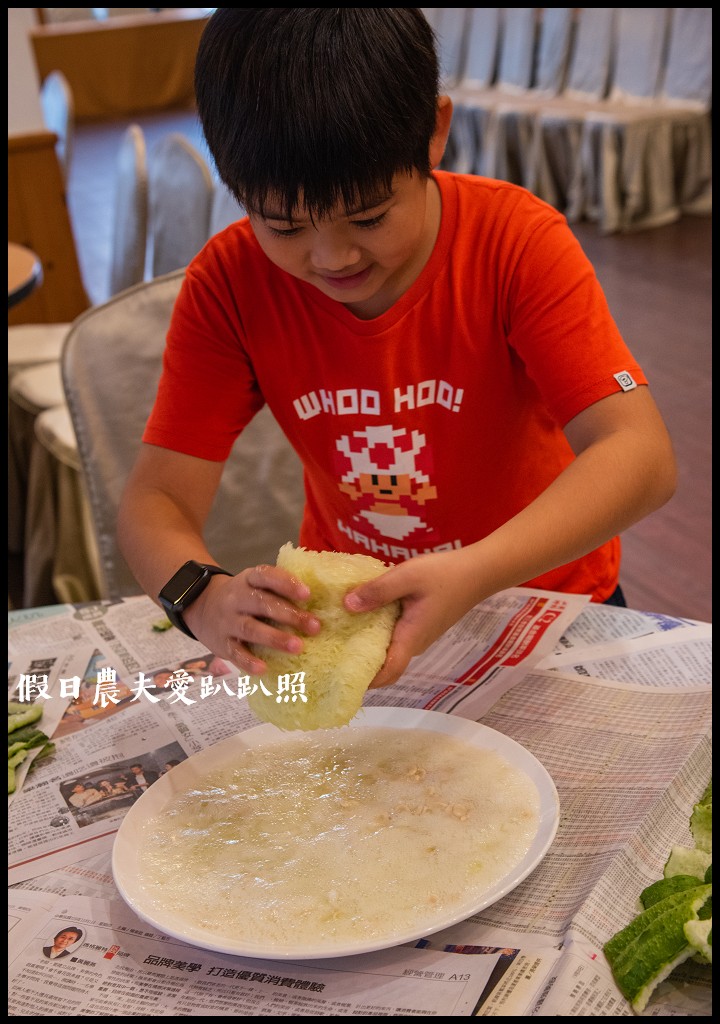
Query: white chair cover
[[510, 148], [61, 560], [557, 129], [130, 221], [32, 344], [450, 27], [58, 108], [181, 191], [647, 157], [225, 209], [687, 80], [519, 29], [472, 146], [111, 365], [483, 44], [30, 392]]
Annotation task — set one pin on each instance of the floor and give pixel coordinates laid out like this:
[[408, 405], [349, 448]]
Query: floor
[[658, 285]]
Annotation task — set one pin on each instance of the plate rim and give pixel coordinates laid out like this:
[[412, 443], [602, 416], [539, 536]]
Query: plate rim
[[173, 784]]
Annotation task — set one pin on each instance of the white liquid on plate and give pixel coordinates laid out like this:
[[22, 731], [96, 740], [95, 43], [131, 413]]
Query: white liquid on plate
[[339, 835]]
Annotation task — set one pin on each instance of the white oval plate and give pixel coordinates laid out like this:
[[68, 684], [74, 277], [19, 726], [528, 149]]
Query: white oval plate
[[127, 865]]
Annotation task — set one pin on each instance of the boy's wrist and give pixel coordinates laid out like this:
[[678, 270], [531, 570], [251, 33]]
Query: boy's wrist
[[184, 588]]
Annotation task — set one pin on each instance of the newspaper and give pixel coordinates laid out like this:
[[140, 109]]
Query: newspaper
[[626, 794], [122, 966], [102, 734]]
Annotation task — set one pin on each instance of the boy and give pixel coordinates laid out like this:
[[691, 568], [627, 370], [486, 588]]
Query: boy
[[436, 347]]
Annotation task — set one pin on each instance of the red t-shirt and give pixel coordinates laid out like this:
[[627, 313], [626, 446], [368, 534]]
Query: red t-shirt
[[425, 428]]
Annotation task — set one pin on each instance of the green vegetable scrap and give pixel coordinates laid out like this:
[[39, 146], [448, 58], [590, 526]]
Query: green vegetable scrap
[[161, 625], [22, 714], [676, 921], [24, 736]]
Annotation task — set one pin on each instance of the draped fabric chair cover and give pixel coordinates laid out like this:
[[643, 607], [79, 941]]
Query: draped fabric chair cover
[[450, 27], [180, 197], [111, 366], [557, 126], [475, 143], [514, 116], [30, 392], [33, 344], [647, 158], [58, 109], [479, 71], [35, 383], [130, 220], [639, 50], [61, 558], [37, 344], [225, 209]]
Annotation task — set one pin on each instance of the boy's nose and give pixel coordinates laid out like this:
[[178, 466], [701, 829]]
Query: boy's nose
[[333, 253]]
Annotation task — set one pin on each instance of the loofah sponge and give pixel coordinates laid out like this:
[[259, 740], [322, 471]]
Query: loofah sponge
[[341, 661]]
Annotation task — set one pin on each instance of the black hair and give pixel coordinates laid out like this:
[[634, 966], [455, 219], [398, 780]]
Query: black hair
[[317, 106], [78, 932]]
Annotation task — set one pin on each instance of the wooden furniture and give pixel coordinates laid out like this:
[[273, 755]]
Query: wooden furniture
[[124, 65], [38, 218], [24, 273]]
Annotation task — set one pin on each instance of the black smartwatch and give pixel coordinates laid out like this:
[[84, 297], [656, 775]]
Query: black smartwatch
[[185, 587]]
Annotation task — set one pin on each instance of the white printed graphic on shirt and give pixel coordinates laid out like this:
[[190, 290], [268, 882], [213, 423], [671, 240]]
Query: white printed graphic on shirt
[[385, 470]]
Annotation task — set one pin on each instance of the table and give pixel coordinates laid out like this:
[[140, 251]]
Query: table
[[25, 273], [614, 702], [126, 65]]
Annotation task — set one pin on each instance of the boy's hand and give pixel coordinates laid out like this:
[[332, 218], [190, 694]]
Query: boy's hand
[[434, 591], [234, 611]]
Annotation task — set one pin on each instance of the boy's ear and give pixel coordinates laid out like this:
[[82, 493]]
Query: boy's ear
[[443, 118]]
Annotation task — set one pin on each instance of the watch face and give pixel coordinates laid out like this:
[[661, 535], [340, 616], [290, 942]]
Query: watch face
[[184, 580]]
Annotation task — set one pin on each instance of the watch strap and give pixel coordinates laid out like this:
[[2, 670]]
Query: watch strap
[[174, 610]]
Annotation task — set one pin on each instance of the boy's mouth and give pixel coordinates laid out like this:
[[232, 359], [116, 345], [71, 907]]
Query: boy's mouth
[[347, 281]]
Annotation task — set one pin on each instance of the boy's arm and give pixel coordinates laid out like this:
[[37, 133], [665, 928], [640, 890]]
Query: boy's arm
[[625, 469], [161, 518]]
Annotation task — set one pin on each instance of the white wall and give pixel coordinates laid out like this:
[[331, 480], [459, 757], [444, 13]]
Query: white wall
[[24, 110]]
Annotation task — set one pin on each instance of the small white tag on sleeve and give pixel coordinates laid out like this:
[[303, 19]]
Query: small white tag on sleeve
[[625, 380]]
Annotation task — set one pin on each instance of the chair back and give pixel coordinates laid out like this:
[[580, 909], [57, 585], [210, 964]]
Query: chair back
[[180, 200], [130, 212], [111, 365], [589, 69], [483, 42], [58, 109], [450, 27], [639, 52], [225, 209], [553, 50], [688, 67], [518, 35]]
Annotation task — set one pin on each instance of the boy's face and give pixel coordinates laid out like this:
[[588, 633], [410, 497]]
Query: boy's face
[[365, 258]]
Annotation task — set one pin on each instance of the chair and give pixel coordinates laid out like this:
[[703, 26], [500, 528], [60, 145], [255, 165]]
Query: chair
[[181, 193], [37, 386], [558, 122], [645, 159], [225, 209], [479, 70], [111, 364], [33, 344], [637, 50], [61, 562], [509, 154], [450, 27], [474, 108], [637, 61], [58, 108], [130, 220]]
